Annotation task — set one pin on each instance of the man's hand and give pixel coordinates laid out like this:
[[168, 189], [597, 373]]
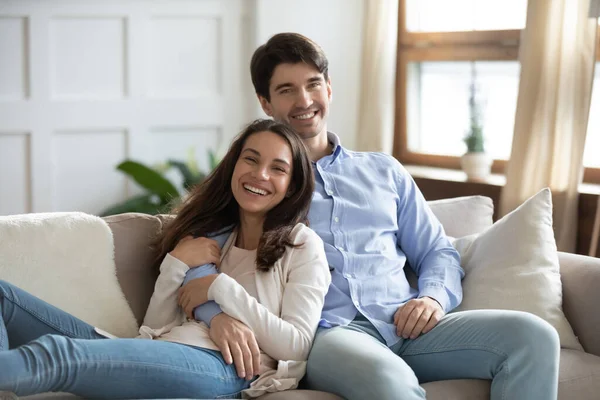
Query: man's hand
[[194, 294], [237, 344], [417, 316]]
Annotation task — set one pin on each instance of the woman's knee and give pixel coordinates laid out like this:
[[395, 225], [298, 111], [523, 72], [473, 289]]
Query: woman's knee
[[53, 347]]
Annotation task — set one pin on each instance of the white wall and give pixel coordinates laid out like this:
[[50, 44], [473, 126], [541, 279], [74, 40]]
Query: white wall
[[85, 84]]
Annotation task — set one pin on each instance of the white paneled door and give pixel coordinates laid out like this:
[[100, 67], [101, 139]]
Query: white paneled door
[[85, 84]]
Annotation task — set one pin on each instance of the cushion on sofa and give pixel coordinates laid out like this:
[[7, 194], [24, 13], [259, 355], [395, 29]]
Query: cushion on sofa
[[59, 257], [513, 265], [462, 216]]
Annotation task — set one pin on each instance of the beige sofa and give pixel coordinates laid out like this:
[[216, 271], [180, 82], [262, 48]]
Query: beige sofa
[[579, 371]]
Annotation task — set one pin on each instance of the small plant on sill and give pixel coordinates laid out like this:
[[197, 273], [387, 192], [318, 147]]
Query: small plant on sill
[[475, 162], [474, 139]]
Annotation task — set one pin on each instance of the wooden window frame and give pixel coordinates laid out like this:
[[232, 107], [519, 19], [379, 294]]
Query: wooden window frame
[[497, 45]]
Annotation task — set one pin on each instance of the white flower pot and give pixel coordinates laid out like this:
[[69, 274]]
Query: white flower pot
[[477, 166]]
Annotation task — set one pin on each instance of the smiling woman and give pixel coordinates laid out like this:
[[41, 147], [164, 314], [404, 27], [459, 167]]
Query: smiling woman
[[247, 218], [262, 175], [267, 156]]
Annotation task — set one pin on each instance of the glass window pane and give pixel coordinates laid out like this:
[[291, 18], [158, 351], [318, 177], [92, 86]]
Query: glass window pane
[[438, 106], [591, 155], [464, 15]]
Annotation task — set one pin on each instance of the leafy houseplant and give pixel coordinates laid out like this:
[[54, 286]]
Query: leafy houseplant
[[476, 162], [161, 194]]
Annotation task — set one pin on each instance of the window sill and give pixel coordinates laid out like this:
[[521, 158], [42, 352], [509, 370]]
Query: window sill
[[456, 175]]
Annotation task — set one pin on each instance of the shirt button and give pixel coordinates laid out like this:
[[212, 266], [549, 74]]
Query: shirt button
[[336, 219], [340, 248], [348, 276], [356, 304], [330, 192]]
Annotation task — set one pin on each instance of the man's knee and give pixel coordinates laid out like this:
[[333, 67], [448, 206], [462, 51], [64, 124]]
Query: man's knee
[[532, 334], [355, 373], [538, 335]]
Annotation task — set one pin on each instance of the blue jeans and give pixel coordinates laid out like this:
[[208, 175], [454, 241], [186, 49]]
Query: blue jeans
[[44, 349], [517, 351]]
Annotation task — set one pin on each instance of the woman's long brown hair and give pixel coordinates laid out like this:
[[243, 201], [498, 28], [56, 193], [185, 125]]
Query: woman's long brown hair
[[211, 208]]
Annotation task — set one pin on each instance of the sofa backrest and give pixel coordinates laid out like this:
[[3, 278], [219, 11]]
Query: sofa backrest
[[134, 233]]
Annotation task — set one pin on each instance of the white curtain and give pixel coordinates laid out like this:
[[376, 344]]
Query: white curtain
[[557, 55], [378, 74]]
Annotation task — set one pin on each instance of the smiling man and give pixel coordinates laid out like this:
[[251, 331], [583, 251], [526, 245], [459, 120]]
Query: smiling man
[[378, 337]]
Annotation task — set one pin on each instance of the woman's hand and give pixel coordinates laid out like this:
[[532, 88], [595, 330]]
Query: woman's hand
[[197, 251], [194, 294]]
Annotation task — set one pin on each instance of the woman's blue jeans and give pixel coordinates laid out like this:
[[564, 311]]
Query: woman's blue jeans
[[44, 349]]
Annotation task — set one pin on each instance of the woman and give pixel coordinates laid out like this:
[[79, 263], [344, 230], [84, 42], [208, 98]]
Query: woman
[[259, 195]]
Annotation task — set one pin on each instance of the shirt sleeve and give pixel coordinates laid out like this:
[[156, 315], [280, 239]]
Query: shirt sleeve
[[427, 248], [208, 310], [163, 308], [287, 336]]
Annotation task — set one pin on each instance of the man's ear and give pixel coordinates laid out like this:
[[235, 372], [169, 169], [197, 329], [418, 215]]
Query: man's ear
[[329, 91], [265, 105]]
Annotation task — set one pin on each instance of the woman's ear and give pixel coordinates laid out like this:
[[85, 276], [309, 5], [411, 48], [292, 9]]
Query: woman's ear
[[290, 190]]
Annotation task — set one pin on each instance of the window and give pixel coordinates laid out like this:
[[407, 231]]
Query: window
[[591, 157], [440, 43]]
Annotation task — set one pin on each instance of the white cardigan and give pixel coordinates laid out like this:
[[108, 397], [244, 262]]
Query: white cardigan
[[284, 322]]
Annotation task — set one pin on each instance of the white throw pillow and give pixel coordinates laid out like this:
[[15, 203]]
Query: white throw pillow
[[513, 265], [67, 260], [462, 216]]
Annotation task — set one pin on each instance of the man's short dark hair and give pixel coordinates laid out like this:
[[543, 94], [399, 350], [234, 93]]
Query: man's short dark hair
[[282, 48]]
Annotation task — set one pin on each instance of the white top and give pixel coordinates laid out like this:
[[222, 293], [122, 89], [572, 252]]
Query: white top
[[284, 323], [240, 264]]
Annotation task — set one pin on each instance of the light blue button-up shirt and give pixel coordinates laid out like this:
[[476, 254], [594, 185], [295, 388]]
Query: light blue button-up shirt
[[373, 220]]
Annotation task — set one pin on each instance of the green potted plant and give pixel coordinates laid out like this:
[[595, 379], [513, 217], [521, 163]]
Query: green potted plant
[[476, 163], [161, 194]]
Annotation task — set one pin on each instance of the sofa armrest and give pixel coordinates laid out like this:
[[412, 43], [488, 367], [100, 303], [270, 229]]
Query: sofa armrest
[[580, 277]]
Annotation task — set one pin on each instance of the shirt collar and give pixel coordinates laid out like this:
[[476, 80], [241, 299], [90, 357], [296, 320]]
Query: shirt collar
[[336, 146], [329, 159]]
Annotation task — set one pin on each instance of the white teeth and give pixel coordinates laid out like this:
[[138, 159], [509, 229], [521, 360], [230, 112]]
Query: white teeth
[[305, 116], [255, 190]]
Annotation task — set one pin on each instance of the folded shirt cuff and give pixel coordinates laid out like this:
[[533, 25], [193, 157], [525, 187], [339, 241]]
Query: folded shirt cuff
[[438, 293], [207, 311]]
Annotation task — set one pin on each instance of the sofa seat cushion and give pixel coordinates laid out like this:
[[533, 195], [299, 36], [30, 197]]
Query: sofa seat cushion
[[459, 389], [300, 395], [579, 376]]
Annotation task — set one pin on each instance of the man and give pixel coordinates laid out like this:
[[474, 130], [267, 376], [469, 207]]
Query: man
[[378, 337]]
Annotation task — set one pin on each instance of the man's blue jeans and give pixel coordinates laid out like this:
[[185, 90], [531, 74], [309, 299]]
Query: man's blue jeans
[[518, 351], [44, 349]]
